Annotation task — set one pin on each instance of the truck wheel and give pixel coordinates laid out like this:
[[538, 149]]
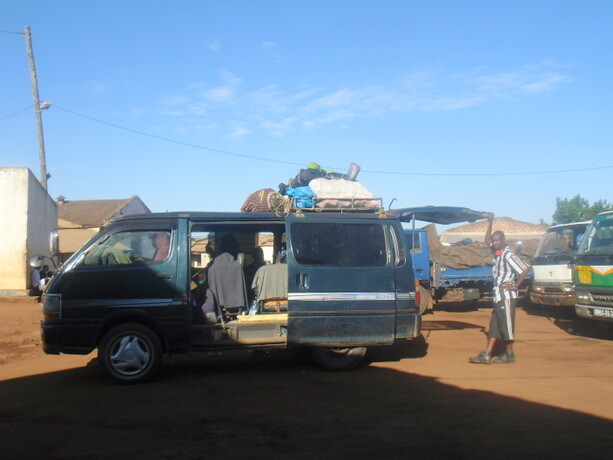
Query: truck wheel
[[426, 301], [130, 353], [338, 359]]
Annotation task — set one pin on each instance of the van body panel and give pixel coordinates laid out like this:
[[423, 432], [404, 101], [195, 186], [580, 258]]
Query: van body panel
[[333, 304]]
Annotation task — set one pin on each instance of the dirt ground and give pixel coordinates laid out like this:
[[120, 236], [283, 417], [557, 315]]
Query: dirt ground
[[417, 400]]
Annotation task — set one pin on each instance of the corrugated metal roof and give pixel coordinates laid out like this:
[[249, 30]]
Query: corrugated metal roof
[[505, 224], [91, 213]]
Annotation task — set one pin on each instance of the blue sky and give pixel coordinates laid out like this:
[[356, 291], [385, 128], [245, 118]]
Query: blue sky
[[430, 97]]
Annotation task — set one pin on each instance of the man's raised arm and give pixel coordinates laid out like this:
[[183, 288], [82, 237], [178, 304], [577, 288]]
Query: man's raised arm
[[488, 232]]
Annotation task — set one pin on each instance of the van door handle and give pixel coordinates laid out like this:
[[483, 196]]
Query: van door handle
[[303, 281], [164, 276]]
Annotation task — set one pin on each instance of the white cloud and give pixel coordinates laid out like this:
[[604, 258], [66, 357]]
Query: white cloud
[[136, 111], [213, 45], [527, 80], [99, 89], [240, 132], [225, 92], [280, 128], [278, 111], [546, 84], [173, 113], [174, 100], [268, 45], [219, 94]]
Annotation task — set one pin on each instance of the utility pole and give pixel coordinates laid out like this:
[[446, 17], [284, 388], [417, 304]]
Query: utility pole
[[37, 109]]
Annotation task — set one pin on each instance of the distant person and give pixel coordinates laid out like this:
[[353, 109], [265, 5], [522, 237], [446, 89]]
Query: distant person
[[38, 280], [509, 272], [35, 280]]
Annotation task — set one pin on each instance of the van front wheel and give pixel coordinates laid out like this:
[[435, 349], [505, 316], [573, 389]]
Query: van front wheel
[[339, 359], [130, 353]]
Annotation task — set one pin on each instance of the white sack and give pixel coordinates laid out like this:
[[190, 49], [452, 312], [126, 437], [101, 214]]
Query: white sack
[[340, 188]]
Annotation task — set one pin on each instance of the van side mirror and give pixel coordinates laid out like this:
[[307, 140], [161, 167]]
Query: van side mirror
[[54, 243]]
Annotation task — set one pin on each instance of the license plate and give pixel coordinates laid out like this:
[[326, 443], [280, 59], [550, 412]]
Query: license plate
[[601, 312]]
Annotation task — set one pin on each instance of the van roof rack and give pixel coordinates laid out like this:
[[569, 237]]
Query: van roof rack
[[362, 205]]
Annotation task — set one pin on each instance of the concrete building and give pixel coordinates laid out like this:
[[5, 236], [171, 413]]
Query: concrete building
[[28, 216]]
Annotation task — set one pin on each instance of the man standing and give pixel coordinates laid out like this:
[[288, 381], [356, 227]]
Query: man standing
[[509, 272]]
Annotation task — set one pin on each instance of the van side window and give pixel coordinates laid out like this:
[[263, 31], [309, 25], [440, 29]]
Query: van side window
[[129, 248], [339, 244], [399, 251]]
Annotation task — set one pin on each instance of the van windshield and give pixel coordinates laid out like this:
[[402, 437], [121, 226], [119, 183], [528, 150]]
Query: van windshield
[[559, 243], [598, 237], [129, 247]]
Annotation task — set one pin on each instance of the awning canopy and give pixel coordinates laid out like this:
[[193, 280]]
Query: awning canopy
[[444, 215]]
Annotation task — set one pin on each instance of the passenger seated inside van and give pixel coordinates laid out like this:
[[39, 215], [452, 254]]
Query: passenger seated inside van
[[251, 269], [270, 287], [227, 281]]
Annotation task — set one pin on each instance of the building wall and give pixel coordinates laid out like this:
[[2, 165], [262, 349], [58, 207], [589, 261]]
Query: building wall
[[28, 215], [136, 206]]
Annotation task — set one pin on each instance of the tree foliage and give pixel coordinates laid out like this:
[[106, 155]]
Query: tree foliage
[[578, 209]]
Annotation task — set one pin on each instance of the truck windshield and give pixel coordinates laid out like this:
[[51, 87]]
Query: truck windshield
[[598, 237], [559, 242]]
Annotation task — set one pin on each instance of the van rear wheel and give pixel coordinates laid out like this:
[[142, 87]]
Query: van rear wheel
[[130, 353], [339, 359]]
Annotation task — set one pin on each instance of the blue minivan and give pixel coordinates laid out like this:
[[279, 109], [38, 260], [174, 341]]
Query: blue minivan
[[179, 282]]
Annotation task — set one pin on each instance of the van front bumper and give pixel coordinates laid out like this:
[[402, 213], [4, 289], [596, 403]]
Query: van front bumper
[[553, 300], [72, 340], [555, 293]]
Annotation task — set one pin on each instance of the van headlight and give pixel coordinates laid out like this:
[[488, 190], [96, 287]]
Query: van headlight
[[583, 296], [52, 306]]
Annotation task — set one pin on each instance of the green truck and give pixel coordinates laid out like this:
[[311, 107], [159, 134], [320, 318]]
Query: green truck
[[593, 270]]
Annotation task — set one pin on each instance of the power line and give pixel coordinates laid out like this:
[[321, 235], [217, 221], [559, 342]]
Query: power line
[[187, 144], [398, 173], [16, 113]]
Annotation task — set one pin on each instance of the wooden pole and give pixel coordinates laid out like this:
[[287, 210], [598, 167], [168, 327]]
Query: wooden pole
[[37, 109]]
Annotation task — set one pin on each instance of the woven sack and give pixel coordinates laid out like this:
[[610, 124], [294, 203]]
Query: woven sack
[[264, 200]]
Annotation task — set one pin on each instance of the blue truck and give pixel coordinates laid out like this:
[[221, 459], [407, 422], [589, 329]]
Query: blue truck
[[455, 273]]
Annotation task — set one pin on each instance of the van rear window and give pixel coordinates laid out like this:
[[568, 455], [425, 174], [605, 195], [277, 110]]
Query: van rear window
[[339, 244]]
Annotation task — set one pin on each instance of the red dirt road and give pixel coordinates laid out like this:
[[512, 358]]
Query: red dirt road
[[556, 401]]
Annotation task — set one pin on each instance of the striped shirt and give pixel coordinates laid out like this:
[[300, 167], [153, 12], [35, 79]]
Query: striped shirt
[[506, 267]]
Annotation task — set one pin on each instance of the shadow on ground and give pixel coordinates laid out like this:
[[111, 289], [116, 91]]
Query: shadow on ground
[[566, 319], [272, 404]]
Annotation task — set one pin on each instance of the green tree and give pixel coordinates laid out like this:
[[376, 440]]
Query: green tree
[[578, 209]]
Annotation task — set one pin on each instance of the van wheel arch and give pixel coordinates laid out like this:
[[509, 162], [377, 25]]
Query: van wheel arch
[[338, 358], [119, 320]]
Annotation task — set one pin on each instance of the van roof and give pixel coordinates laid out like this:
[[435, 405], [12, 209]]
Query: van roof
[[570, 224]]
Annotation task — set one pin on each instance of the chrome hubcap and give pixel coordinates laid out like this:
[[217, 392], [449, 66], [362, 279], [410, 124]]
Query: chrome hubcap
[[130, 355]]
